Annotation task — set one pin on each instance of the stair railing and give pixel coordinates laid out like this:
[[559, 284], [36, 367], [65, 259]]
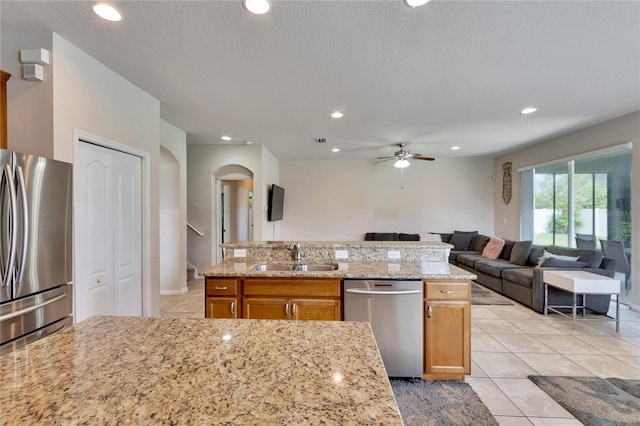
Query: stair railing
[[194, 229]]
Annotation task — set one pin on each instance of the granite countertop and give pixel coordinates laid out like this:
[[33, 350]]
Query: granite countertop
[[108, 370], [346, 269]]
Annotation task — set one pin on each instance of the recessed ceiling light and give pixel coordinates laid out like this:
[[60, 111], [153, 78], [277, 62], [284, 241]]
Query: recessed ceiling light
[[107, 12], [455, 148], [257, 7], [337, 114], [528, 110], [248, 142], [336, 149], [416, 3], [226, 138]]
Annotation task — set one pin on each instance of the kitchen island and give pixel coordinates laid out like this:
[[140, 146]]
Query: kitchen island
[[119, 370]]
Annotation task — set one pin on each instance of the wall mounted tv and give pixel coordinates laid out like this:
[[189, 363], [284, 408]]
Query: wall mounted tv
[[276, 203]]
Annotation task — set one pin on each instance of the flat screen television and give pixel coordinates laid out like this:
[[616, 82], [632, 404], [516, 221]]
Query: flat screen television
[[276, 203]]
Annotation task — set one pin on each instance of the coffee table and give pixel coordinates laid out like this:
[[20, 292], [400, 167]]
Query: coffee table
[[580, 282]]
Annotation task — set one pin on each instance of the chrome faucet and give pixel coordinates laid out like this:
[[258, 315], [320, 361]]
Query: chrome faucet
[[297, 253]]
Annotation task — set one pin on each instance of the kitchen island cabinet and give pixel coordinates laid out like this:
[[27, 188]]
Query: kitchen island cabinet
[[447, 329], [222, 297], [187, 371]]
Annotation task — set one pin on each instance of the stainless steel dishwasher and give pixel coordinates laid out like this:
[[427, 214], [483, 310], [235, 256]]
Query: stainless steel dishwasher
[[394, 310]]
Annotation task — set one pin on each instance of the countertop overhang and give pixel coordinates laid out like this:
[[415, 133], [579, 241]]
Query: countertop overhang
[[118, 370]]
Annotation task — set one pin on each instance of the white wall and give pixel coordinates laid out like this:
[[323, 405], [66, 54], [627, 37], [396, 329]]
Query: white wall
[[342, 200], [29, 114], [204, 162], [614, 132], [173, 211]]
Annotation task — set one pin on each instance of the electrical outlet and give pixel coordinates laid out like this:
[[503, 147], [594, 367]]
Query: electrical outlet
[[392, 254], [239, 253], [394, 267], [342, 254]]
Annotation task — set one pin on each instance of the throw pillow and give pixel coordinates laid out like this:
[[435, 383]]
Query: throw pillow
[[408, 237], [461, 242], [554, 262], [473, 235], [445, 237], [493, 248], [546, 254], [508, 248], [430, 237], [520, 252], [480, 242]]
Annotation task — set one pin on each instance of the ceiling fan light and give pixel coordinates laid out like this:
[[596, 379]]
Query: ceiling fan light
[[401, 163], [416, 3]]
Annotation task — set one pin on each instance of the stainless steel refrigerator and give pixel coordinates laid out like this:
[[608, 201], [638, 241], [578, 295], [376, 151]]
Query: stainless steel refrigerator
[[35, 248]]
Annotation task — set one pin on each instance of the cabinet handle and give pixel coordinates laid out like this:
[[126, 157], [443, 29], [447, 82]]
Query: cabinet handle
[[286, 309], [220, 288], [429, 312], [295, 310], [233, 308], [447, 291]]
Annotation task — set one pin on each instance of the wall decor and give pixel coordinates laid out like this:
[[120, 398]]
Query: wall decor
[[506, 182]]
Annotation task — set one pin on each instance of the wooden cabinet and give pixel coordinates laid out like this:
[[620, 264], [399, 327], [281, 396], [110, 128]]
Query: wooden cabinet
[[292, 298], [222, 298], [4, 77], [447, 332]]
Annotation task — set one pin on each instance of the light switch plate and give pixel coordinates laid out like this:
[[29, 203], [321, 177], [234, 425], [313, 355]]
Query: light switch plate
[[239, 253], [342, 254], [393, 254]]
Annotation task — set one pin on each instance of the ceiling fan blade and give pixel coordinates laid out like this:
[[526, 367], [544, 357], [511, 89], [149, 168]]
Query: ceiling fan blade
[[383, 159], [422, 157]]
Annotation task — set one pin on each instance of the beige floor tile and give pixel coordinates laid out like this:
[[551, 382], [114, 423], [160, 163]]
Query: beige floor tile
[[500, 364], [553, 365], [605, 366], [176, 315], [567, 344], [514, 312], [582, 327], [497, 326], [475, 328], [530, 399], [476, 371], [485, 343], [633, 361], [495, 400], [537, 326], [512, 421], [482, 312], [544, 421], [522, 343], [632, 340], [611, 345], [609, 327]]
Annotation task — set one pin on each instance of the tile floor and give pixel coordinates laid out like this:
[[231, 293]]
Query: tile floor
[[511, 342]]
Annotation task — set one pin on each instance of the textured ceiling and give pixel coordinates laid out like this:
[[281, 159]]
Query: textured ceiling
[[449, 73]]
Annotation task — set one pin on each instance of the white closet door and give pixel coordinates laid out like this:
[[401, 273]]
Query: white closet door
[[108, 233]]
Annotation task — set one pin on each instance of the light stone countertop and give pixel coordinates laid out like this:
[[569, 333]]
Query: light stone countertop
[[347, 269], [119, 370]]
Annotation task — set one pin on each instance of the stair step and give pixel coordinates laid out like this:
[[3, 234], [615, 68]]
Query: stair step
[[191, 274]]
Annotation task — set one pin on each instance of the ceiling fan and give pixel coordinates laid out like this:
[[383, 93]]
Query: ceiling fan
[[402, 157]]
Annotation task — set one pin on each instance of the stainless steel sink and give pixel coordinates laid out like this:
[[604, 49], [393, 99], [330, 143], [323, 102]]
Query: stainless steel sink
[[296, 267]]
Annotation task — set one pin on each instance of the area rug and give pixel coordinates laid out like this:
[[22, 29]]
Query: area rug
[[483, 296], [595, 401], [426, 403]]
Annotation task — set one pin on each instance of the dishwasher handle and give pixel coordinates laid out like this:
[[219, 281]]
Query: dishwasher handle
[[382, 292]]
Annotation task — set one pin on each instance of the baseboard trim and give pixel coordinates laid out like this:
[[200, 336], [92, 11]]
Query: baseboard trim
[[183, 290], [635, 308]]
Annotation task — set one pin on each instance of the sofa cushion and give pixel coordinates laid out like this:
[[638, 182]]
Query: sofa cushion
[[368, 236], [445, 237], [555, 262], [473, 235], [493, 267], [461, 242], [480, 242], [520, 252], [469, 258], [408, 237], [385, 236], [430, 237], [546, 255], [520, 276], [508, 247], [493, 248], [592, 258], [535, 254]]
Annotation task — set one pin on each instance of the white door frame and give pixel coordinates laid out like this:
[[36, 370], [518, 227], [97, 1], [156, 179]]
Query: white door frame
[[79, 135]]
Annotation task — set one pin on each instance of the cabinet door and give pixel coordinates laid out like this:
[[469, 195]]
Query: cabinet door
[[316, 309], [222, 307], [448, 338], [265, 308]]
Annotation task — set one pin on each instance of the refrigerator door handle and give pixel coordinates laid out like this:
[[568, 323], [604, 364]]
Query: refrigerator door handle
[[31, 308], [25, 224], [6, 274]]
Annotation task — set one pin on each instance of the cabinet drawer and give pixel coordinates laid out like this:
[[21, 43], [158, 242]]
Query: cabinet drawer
[[222, 287], [292, 287], [442, 290]]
